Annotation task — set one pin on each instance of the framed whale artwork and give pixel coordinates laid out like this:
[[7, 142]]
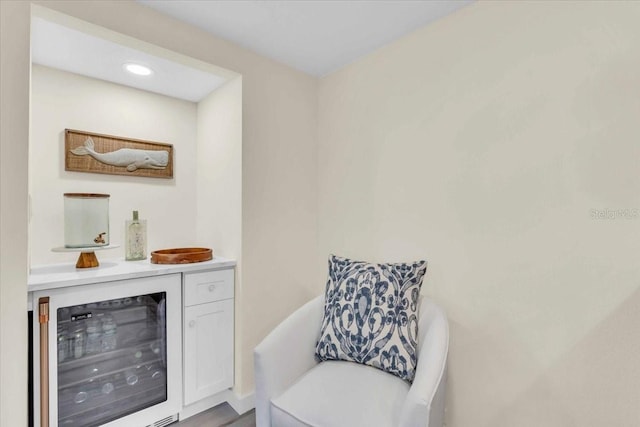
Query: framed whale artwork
[[115, 155]]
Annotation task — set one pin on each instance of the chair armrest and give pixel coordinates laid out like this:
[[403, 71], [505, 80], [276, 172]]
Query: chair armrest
[[284, 355], [425, 400]]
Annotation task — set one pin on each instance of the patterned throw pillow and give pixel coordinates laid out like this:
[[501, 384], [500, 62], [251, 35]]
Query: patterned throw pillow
[[371, 315]]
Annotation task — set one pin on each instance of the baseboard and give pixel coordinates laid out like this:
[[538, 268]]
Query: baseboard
[[242, 404], [204, 404]]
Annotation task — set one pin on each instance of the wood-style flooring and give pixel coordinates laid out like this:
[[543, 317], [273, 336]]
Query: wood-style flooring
[[222, 415]]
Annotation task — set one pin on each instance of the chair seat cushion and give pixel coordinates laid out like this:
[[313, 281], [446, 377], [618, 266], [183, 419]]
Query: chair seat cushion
[[338, 394]]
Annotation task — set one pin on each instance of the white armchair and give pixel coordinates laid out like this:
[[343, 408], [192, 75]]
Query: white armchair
[[293, 389]]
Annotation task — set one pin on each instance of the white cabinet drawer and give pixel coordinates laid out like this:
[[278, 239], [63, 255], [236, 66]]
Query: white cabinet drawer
[[208, 286]]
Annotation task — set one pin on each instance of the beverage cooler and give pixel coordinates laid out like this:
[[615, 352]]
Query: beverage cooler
[[108, 354]]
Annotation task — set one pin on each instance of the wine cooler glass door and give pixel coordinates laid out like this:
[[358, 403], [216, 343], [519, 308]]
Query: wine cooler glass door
[[110, 354]]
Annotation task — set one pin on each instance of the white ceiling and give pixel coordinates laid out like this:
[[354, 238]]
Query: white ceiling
[[317, 37], [68, 49]]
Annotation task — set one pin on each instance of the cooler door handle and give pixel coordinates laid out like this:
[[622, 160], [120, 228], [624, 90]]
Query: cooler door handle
[[43, 318]]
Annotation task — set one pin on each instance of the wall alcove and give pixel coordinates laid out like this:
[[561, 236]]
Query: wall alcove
[[77, 82]]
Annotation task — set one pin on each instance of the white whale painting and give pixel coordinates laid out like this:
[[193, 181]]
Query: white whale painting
[[131, 158]]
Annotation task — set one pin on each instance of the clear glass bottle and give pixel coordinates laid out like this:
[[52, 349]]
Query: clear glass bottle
[[109, 340], [107, 387], [131, 377], [94, 336], [63, 344], [135, 238], [78, 347], [81, 397]]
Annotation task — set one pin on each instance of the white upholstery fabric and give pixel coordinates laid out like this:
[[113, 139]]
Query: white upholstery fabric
[[342, 394], [291, 386], [284, 355], [426, 397]]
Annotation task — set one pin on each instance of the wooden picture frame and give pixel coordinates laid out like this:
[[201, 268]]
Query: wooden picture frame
[[107, 154]]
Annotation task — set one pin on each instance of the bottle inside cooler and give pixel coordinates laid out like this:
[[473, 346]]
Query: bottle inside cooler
[[111, 359]]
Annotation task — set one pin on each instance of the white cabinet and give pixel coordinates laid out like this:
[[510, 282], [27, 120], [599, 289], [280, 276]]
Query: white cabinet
[[207, 333]]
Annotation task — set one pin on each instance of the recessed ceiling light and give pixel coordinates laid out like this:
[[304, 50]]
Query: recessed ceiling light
[[137, 69]]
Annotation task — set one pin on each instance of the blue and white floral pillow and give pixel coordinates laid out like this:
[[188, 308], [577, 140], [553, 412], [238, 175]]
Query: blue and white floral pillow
[[371, 315]]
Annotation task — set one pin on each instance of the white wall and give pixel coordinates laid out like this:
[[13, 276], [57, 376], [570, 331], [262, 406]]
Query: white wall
[[219, 162], [14, 143], [483, 143], [62, 100], [219, 195]]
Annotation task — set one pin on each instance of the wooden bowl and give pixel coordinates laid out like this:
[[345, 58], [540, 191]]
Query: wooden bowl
[[181, 255]]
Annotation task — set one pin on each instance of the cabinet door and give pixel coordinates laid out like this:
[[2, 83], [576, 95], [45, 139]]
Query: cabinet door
[[208, 349]]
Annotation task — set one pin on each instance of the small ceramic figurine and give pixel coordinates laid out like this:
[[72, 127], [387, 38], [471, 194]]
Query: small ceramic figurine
[[100, 238]]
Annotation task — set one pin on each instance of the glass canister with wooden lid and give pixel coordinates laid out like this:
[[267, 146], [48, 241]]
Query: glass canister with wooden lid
[[86, 220]]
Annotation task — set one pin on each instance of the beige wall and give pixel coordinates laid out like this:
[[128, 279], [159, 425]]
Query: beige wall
[[62, 100], [278, 176], [484, 143], [14, 143]]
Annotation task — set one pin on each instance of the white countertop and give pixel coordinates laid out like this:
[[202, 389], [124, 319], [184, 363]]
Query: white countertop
[[65, 275]]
